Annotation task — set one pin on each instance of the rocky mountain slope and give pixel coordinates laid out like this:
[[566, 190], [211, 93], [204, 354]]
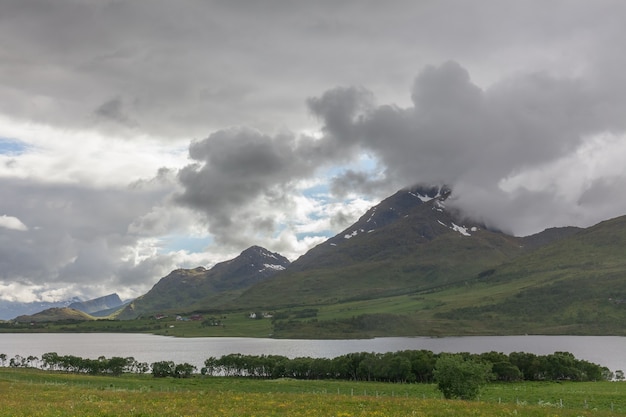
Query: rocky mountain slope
[[98, 305], [200, 288]]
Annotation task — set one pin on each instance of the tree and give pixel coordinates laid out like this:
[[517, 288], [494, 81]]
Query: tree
[[461, 378], [51, 360], [117, 365], [163, 369], [506, 371], [183, 370]]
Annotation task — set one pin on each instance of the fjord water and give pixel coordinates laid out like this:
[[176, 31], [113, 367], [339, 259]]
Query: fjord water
[[609, 351]]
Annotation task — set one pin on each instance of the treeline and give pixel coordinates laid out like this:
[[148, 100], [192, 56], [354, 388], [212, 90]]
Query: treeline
[[405, 366], [75, 364], [101, 366], [114, 366]]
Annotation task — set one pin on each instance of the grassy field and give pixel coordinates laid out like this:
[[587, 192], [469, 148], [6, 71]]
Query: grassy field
[[29, 392]]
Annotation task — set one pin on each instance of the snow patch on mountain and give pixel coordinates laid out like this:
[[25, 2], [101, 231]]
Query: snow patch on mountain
[[273, 266], [267, 254], [463, 230], [351, 235], [426, 198], [372, 215]]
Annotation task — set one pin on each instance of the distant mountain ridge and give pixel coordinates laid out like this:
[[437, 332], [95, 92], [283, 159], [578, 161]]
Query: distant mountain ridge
[[97, 305]]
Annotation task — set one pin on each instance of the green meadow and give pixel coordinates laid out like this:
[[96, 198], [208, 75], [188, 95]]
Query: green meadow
[[32, 392]]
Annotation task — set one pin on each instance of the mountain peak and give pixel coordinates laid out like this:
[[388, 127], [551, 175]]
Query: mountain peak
[[97, 304], [428, 192], [263, 259], [396, 207], [202, 288]]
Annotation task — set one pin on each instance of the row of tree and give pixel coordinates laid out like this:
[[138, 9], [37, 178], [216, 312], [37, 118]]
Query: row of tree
[[114, 366], [405, 366], [101, 366]]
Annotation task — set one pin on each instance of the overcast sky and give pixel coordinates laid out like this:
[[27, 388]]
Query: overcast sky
[[141, 136]]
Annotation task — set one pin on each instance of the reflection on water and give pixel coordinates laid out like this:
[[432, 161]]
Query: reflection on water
[[609, 351]]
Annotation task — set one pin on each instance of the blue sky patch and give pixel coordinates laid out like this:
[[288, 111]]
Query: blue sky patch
[[318, 192], [12, 146], [175, 243], [326, 234]]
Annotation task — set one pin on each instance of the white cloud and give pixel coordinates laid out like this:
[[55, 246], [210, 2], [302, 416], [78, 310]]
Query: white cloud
[[86, 157], [13, 223]]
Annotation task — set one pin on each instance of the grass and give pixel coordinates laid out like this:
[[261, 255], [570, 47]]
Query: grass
[[29, 392]]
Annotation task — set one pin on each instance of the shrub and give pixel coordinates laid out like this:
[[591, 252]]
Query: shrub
[[461, 378], [163, 369]]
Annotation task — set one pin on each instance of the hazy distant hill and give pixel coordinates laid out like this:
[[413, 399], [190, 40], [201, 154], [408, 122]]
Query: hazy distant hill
[[199, 288], [97, 305], [11, 309]]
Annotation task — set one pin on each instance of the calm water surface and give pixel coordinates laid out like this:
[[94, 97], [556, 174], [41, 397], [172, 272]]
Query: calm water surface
[[609, 351]]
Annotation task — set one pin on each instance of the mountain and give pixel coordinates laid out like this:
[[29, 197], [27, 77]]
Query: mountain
[[11, 309], [560, 281], [54, 314], [412, 265], [98, 305], [409, 242], [199, 288]]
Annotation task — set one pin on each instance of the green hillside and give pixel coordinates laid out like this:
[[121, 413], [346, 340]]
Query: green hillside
[[576, 285]]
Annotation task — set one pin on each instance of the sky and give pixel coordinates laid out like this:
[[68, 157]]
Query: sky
[[137, 137]]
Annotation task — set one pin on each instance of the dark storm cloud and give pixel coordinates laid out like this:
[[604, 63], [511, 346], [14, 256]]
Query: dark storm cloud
[[358, 182], [114, 110], [454, 133], [462, 135], [456, 129], [241, 173]]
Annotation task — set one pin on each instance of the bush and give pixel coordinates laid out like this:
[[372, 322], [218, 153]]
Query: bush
[[461, 378], [184, 370], [163, 369]]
